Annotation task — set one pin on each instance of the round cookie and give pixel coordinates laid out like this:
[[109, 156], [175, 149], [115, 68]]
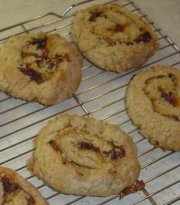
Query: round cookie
[[16, 191], [153, 102], [83, 156], [39, 67], [113, 38]]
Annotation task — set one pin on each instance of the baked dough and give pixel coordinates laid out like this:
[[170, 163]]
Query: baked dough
[[113, 37], [14, 190], [153, 102], [83, 156], [39, 67]]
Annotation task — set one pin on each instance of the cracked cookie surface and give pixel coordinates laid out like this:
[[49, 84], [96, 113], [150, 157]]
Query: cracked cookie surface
[[39, 67], [83, 156], [153, 102], [14, 190], [113, 37]]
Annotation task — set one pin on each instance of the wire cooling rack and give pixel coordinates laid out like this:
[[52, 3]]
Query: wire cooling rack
[[100, 95]]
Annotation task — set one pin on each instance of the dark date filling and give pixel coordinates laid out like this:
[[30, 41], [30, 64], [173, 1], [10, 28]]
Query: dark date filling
[[118, 28], [51, 62], [88, 146], [31, 201], [54, 145], [173, 78], [114, 154], [144, 37], [33, 74], [137, 186], [11, 188], [94, 15], [41, 60], [169, 97], [39, 42], [8, 185]]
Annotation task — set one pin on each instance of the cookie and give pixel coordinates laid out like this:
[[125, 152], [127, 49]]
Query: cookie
[[39, 67], [83, 156], [153, 102], [113, 37], [16, 191]]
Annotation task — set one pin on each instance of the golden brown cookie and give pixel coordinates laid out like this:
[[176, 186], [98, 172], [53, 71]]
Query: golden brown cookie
[[83, 156], [113, 37], [14, 190], [153, 102], [39, 67]]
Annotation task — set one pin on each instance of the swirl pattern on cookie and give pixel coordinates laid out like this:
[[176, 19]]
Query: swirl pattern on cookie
[[102, 158], [37, 62], [15, 190], [153, 102], [113, 38], [39, 67]]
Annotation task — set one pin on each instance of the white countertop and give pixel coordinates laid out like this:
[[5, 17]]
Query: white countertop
[[164, 12], [102, 95]]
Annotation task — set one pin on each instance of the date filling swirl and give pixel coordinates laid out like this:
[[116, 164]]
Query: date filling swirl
[[164, 95], [37, 62], [115, 27], [12, 193], [83, 149]]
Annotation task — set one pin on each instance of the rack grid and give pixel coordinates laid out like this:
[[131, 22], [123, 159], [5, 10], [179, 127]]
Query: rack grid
[[100, 95]]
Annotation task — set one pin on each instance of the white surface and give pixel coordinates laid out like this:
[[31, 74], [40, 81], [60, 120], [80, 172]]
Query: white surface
[[102, 95], [165, 13]]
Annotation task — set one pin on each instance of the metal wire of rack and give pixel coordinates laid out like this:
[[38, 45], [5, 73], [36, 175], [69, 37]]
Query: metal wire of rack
[[100, 95]]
